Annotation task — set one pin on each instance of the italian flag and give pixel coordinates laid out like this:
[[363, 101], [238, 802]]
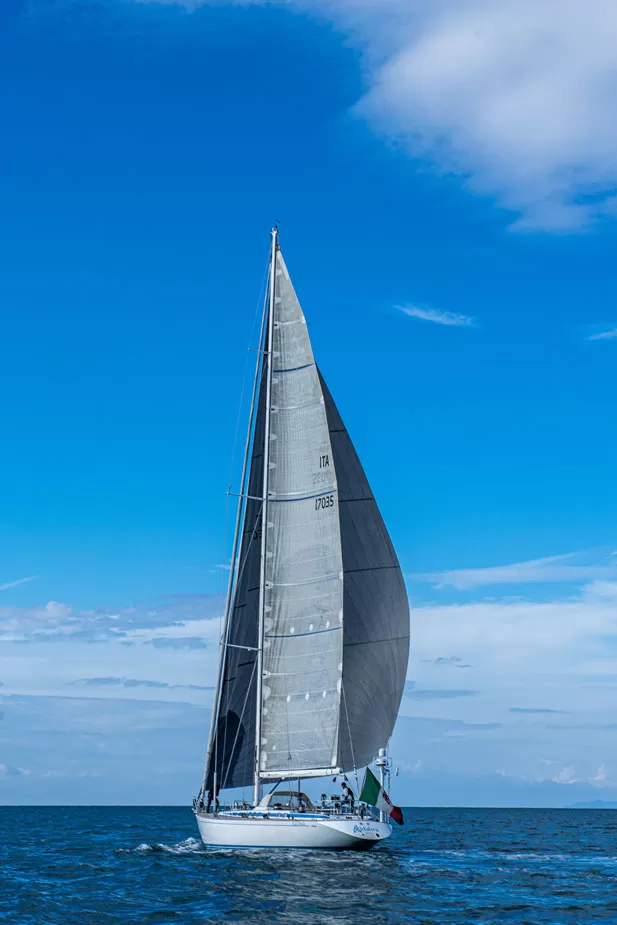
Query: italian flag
[[373, 793]]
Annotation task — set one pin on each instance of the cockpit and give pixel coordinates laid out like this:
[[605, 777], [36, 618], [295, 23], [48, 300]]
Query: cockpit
[[293, 801]]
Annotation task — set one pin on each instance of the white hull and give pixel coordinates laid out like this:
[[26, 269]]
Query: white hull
[[280, 831]]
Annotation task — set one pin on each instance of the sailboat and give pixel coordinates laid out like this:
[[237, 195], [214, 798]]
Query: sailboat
[[315, 637]]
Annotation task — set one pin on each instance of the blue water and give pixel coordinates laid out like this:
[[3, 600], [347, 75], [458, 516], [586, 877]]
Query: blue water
[[93, 866]]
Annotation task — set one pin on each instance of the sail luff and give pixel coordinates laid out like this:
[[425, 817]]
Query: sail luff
[[264, 518]]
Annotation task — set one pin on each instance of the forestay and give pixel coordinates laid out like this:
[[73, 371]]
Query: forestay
[[303, 598]]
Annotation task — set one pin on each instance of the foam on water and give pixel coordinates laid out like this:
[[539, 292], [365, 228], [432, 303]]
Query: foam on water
[[188, 846]]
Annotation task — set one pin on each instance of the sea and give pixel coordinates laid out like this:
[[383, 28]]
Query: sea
[[102, 865]]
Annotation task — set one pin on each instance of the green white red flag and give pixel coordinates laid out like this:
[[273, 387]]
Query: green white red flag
[[373, 793]]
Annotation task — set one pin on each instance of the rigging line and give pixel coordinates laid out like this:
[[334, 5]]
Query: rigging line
[[353, 758], [246, 696]]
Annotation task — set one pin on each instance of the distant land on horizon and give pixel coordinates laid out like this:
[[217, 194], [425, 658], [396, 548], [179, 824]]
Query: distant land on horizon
[[594, 804]]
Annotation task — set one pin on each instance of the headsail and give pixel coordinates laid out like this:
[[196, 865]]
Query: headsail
[[376, 609]]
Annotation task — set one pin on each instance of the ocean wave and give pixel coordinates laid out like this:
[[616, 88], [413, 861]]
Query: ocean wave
[[188, 846]]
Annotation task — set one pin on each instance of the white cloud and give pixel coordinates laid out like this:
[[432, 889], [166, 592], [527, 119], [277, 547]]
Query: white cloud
[[560, 654], [168, 616], [570, 567], [600, 776], [516, 97], [568, 775], [565, 776], [437, 316]]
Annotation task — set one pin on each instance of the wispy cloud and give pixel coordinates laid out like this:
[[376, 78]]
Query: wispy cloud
[[441, 693], [568, 775], [137, 682], [18, 581], [12, 771], [571, 567], [452, 661], [178, 642], [610, 334], [436, 316], [534, 710]]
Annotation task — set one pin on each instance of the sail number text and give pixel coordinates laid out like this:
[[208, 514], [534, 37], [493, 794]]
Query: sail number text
[[325, 501]]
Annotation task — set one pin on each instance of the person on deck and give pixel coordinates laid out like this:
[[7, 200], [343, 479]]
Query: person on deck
[[210, 799], [348, 797]]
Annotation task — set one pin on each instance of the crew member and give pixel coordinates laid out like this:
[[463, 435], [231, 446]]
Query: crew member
[[348, 797]]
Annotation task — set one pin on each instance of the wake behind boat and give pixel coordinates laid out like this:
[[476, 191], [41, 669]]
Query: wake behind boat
[[315, 638]]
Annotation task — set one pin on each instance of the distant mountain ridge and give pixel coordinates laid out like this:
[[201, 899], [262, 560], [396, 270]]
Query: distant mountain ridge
[[594, 804]]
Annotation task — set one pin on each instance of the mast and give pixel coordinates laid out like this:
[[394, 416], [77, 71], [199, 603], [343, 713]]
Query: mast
[[264, 518], [234, 564]]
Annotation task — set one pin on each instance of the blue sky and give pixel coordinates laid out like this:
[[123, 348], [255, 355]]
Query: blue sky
[[444, 176]]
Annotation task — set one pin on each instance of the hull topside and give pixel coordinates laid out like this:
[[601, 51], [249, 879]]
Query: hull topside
[[290, 831]]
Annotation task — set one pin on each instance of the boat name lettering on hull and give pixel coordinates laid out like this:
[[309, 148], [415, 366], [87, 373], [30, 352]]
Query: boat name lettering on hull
[[363, 829]]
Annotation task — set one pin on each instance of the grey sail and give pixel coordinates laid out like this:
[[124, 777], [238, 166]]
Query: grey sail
[[303, 602], [234, 743], [375, 605]]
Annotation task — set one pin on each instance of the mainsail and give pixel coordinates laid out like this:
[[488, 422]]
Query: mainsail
[[330, 623], [303, 607]]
